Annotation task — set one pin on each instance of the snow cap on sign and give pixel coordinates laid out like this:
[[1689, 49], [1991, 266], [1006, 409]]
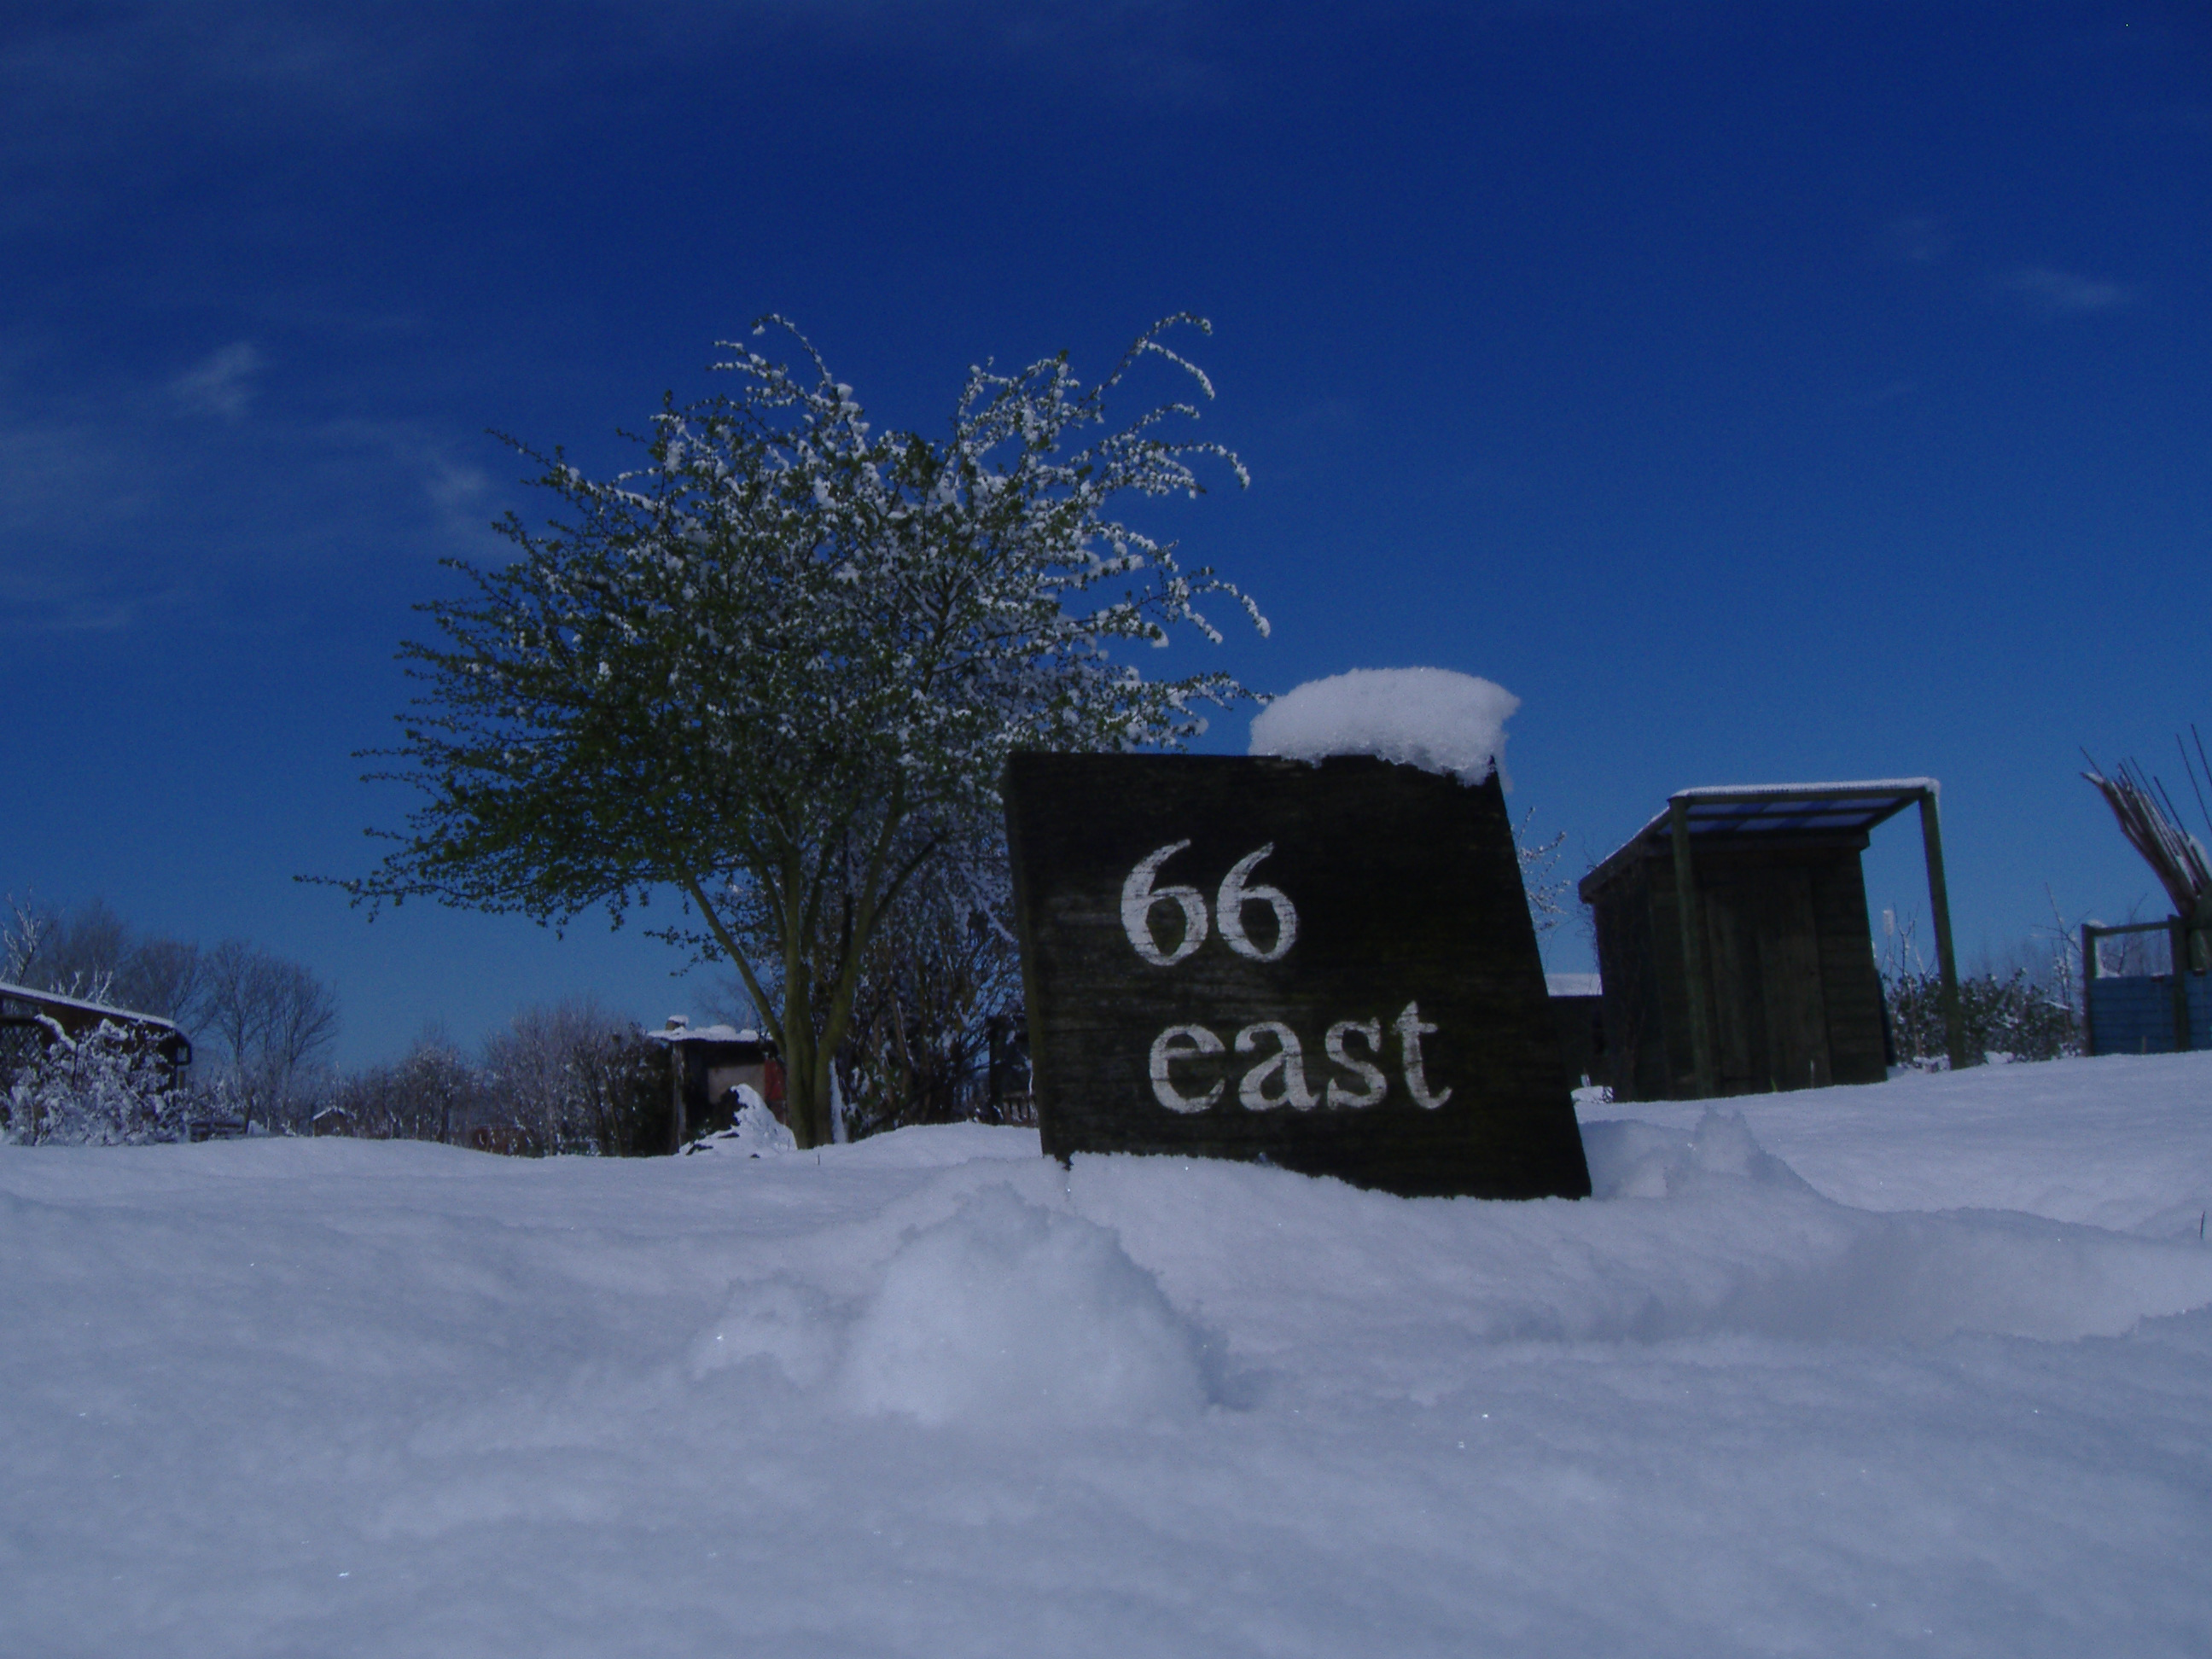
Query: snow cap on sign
[[1431, 718]]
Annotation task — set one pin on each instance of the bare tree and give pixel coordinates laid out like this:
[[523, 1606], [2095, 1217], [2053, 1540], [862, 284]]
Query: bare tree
[[438, 1087], [936, 976], [273, 1019], [92, 953], [303, 1023], [72, 954], [21, 933], [570, 1076], [164, 976]]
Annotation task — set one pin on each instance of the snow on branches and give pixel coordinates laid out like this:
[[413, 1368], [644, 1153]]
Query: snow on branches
[[779, 667], [108, 1086]]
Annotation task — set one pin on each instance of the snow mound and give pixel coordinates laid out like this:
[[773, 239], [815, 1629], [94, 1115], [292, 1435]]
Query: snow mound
[[2118, 1142], [1632, 1159], [1431, 718], [1009, 1313], [792, 1325], [753, 1131]]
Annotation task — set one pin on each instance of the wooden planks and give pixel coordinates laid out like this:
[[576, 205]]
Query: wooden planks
[[1330, 968], [1794, 999]]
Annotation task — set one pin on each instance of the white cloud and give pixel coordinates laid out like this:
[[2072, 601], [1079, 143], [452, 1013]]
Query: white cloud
[[455, 487], [2050, 293], [221, 384], [1918, 238]]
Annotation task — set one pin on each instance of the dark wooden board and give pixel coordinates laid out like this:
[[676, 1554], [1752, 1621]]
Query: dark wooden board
[[1410, 927]]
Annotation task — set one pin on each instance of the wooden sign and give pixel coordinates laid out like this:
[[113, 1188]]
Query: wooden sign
[[1329, 967]]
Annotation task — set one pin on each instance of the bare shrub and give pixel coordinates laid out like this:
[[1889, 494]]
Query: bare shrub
[[569, 1077]]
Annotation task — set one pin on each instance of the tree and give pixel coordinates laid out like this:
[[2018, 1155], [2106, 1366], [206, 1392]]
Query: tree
[[273, 1019], [438, 1086], [92, 953], [779, 667], [164, 976], [1547, 891], [941, 970], [73, 955], [573, 1078]]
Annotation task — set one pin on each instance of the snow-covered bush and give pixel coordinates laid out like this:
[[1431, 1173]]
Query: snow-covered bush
[[2007, 1016], [754, 1131], [106, 1087], [262, 1024]]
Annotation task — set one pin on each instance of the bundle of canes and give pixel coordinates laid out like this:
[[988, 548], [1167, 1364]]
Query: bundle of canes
[[2152, 823]]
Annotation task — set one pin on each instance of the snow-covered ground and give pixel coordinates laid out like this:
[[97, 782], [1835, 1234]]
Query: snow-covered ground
[[1923, 1368]]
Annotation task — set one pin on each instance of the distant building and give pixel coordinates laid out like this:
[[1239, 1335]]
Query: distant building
[[706, 1063], [51, 1014]]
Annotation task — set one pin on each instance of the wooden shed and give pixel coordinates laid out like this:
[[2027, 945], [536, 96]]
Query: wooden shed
[[50, 1014], [1765, 978], [706, 1063]]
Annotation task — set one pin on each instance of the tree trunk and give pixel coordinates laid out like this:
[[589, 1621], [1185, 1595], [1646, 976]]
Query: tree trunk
[[806, 1083]]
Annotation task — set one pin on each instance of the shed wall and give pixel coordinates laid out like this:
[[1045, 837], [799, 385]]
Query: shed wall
[[1795, 1000]]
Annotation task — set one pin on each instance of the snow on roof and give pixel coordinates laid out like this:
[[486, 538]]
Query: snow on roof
[[55, 999], [704, 1034], [1431, 718]]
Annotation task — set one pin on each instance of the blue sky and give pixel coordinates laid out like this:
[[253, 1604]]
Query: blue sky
[[1763, 393]]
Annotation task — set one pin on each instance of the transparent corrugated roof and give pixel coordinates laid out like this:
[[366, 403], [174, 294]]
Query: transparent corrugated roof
[[1778, 810], [1805, 808]]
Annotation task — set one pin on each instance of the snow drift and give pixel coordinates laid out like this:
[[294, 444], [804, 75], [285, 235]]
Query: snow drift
[[1918, 1367]]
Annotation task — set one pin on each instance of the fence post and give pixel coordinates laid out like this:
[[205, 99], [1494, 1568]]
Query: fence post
[[2089, 936], [1938, 903]]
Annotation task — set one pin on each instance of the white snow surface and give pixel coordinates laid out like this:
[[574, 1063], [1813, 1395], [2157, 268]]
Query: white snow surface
[[1431, 718], [1924, 1367], [689, 1033]]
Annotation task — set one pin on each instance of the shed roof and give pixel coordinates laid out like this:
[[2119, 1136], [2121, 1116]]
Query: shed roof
[[66, 1007], [1742, 813], [723, 1034]]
